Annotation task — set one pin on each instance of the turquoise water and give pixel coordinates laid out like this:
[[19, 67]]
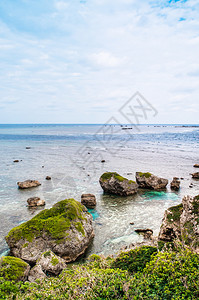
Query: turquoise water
[[72, 154]]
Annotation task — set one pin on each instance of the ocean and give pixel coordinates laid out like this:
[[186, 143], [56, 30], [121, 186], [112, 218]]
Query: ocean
[[72, 155]]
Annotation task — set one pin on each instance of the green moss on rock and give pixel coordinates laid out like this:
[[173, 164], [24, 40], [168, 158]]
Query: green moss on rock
[[147, 174], [106, 176], [54, 261], [55, 221], [175, 212], [12, 268]]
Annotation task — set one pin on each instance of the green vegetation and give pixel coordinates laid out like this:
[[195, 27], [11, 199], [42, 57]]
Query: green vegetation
[[160, 276], [196, 205], [55, 221], [134, 260], [147, 175], [12, 268], [54, 261], [106, 176], [175, 212]]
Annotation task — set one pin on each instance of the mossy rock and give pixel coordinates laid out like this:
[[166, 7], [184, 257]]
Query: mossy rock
[[66, 222], [147, 174], [175, 213], [113, 183], [13, 268]]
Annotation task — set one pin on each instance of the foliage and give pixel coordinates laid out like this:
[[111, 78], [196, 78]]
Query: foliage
[[175, 212], [134, 260], [160, 276], [12, 268]]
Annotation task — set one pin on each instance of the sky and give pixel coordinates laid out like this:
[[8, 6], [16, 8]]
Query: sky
[[80, 61]]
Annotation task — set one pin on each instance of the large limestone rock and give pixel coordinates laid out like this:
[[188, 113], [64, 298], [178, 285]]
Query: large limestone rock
[[66, 229], [113, 183], [35, 201], [175, 184], [181, 223], [89, 200], [51, 263], [12, 268], [27, 184], [150, 181]]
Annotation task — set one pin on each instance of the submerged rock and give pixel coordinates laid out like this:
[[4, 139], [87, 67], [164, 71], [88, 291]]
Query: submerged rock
[[150, 181], [88, 200], [181, 223], [28, 184], [195, 175], [51, 263], [66, 229], [113, 183], [13, 268], [35, 201], [175, 184], [196, 166]]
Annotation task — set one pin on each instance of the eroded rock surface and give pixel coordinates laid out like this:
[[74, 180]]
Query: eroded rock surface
[[113, 183], [66, 229], [89, 200], [150, 181], [181, 223], [175, 184], [35, 201]]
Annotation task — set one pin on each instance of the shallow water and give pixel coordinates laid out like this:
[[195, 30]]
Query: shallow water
[[69, 153]]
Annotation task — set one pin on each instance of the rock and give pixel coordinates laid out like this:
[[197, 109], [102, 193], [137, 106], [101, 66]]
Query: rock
[[36, 273], [88, 200], [51, 263], [35, 201], [195, 175], [48, 178], [113, 183], [150, 181], [196, 166], [175, 184], [103, 161], [181, 223], [16, 161], [28, 147], [13, 268], [66, 229], [182, 178], [132, 223], [28, 184], [147, 233]]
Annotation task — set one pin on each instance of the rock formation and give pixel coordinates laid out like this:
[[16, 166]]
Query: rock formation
[[35, 201], [181, 223], [88, 200], [150, 181], [175, 184], [195, 175], [113, 183], [28, 184], [196, 166], [66, 229]]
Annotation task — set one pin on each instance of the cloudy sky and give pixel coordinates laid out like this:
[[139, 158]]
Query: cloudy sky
[[79, 61]]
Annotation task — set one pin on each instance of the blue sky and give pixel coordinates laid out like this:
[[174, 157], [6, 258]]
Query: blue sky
[[79, 61]]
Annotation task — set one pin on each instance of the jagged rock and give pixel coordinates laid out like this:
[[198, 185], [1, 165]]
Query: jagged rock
[[147, 233], [175, 184], [51, 263], [28, 184], [88, 200], [13, 268], [66, 229], [113, 183], [181, 223], [48, 178], [36, 273], [196, 166], [150, 181], [35, 201], [195, 175]]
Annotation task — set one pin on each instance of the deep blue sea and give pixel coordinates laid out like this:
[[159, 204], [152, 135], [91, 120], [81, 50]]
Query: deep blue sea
[[72, 154]]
